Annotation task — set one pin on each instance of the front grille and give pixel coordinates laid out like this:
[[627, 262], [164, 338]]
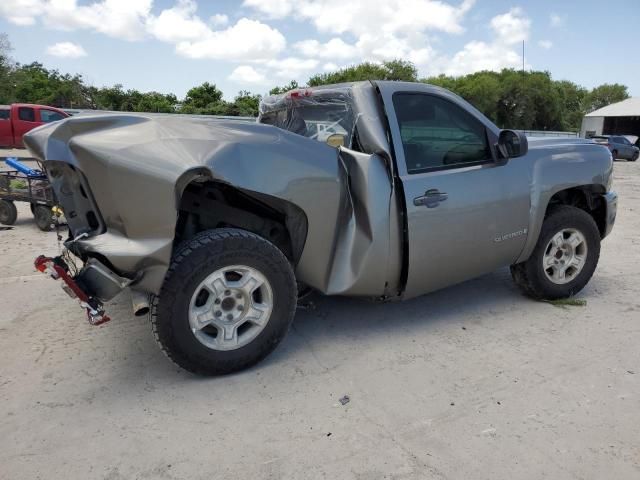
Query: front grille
[[73, 193]]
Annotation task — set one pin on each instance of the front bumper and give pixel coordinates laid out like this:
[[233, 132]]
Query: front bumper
[[611, 204]]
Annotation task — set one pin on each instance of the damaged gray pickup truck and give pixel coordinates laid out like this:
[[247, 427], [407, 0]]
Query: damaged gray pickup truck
[[386, 190]]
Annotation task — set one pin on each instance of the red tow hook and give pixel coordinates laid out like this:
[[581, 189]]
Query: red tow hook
[[57, 269]]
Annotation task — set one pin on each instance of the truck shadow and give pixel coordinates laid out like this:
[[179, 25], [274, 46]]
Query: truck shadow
[[329, 319]]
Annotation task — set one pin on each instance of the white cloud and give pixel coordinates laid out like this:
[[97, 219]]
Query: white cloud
[[476, 56], [292, 67], [336, 48], [358, 30], [219, 20], [511, 27], [360, 16], [384, 31], [546, 44], [556, 20], [247, 74], [117, 18], [178, 23], [66, 50], [246, 40], [21, 12], [272, 8]]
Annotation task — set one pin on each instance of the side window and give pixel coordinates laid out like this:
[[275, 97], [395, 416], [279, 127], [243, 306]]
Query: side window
[[27, 114], [438, 134], [4, 114], [50, 116]]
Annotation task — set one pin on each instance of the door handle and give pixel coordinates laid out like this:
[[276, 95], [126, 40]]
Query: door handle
[[430, 199]]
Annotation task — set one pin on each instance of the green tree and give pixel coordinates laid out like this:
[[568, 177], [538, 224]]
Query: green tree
[[157, 102], [392, 70], [204, 96], [245, 104], [606, 94], [279, 90], [6, 70], [511, 98], [572, 104]]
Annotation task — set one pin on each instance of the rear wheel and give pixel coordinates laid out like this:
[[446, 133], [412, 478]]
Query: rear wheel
[[564, 258], [43, 217], [8, 212], [227, 301], [614, 154]]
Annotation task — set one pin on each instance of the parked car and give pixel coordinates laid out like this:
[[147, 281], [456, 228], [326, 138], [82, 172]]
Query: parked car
[[619, 145], [222, 223], [20, 118]]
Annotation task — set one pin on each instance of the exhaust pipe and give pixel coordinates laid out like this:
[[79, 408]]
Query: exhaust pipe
[[140, 302]]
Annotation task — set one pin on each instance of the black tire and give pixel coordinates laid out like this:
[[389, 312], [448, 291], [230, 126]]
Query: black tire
[[8, 212], [192, 263], [43, 216], [530, 275], [635, 157], [614, 154]]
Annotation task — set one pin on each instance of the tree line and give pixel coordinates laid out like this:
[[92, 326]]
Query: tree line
[[530, 100]]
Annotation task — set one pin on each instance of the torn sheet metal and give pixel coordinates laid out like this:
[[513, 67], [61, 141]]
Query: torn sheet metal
[[129, 171]]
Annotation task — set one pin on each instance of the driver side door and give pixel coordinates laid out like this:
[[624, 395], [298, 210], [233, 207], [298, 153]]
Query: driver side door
[[467, 212]]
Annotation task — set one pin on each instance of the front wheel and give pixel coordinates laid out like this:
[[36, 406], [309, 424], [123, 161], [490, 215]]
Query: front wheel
[[228, 299], [564, 258], [635, 156]]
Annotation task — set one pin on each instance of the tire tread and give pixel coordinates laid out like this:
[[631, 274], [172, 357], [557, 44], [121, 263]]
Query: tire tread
[[524, 274], [215, 241]]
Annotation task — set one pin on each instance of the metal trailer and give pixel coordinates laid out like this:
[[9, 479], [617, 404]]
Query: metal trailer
[[26, 185]]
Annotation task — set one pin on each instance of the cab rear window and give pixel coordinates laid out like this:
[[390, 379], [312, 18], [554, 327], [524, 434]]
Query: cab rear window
[[318, 116]]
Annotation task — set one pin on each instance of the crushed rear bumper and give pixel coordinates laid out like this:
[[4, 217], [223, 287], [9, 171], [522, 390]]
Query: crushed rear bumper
[[93, 285]]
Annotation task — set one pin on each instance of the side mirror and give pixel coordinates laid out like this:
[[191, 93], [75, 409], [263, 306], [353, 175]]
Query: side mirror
[[335, 140], [512, 143]]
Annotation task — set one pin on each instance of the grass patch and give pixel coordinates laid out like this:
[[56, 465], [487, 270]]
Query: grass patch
[[18, 184], [567, 302]]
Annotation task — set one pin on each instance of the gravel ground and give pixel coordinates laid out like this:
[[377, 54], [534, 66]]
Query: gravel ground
[[472, 382]]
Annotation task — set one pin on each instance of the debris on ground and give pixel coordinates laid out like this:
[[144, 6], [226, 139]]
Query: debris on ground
[[567, 302], [306, 306], [344, 400]]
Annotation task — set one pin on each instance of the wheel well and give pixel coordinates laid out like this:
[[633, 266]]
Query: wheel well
[[588, 198], [205, 205]]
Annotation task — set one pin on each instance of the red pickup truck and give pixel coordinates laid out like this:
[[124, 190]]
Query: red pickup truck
[[19, 118]]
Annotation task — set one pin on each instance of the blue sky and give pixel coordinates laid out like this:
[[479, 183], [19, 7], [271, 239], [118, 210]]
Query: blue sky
[[171, 45]]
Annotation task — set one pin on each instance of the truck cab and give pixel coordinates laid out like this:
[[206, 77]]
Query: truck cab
[[19, 118]]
